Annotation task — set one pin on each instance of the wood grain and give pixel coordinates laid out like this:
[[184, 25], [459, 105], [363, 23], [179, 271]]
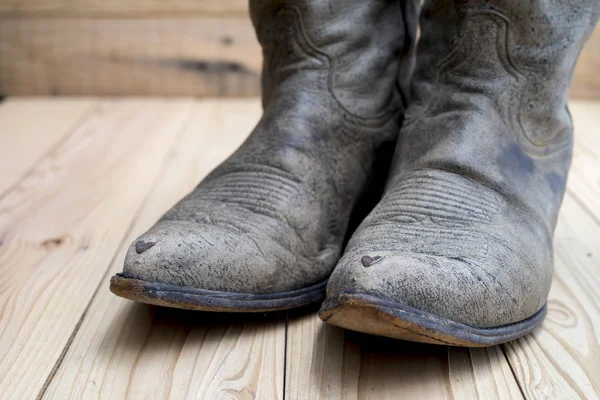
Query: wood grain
[[60, 227], [586, 83], [160, 56], [118, 8], [121, 166], [30, 128], [326, 362], [131, 350]]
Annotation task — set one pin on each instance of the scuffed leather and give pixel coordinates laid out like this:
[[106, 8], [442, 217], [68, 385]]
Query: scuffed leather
[[273, 216], [464, 229]]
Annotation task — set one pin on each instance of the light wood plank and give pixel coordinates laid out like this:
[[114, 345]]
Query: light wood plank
[[126, 350], [131, 350], [118, 8], [562, 360], [159, 56], [325, 362], [29, 128], [586, 84], [60, 227]]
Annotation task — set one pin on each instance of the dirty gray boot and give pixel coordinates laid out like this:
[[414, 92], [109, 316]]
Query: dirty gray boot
[[459, 250], [265, 229]]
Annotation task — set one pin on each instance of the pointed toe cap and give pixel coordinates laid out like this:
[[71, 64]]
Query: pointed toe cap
[[208, 257], [453, 288]]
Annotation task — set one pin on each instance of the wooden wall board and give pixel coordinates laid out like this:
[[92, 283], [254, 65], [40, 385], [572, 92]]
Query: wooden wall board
[[157, 54], [201, 57], [119, 8], [586, 82]]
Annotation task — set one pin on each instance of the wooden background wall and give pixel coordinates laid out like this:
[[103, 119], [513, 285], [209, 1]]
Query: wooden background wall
[[151, 47]]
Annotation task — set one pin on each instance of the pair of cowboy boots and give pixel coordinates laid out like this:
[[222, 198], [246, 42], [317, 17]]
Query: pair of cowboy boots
[[458, 249]]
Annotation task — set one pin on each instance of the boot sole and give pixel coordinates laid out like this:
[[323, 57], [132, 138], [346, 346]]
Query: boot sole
[[161, 294], [370, 314]]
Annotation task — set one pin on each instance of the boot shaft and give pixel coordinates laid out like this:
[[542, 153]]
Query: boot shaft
[[518, 55], [489, 96], [348, 52]]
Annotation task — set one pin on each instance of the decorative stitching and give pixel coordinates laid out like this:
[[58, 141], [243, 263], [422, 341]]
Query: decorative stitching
[[376, 120], [520, 133]]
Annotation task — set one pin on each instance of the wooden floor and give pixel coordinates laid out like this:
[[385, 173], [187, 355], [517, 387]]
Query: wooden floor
[[80, 179]]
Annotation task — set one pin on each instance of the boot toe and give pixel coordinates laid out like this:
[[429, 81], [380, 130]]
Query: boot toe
[[454, 289], [209, 257]]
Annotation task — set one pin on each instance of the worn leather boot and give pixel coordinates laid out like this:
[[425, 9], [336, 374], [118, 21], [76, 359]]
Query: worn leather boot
[[265, 229], [459, 250]]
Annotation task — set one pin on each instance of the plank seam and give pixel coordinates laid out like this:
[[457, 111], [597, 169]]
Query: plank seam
[[184, 126], [63, 354], [67, 135], [512, 370], [285, 354]]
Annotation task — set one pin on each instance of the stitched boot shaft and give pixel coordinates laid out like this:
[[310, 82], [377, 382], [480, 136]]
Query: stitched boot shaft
[[357, 54], [510, 63], [272, 217], [464, 229]]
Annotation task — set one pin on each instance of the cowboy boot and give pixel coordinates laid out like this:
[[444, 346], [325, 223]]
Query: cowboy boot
[[459, 249], [265, 229]]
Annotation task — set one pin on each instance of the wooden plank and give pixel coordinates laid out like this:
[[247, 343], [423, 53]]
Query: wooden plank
[[60, 228], [166, 55], [325, 362], [117, 8], [30, 128], [125, 349], [586, 83], [160, 56], [562, 359]]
